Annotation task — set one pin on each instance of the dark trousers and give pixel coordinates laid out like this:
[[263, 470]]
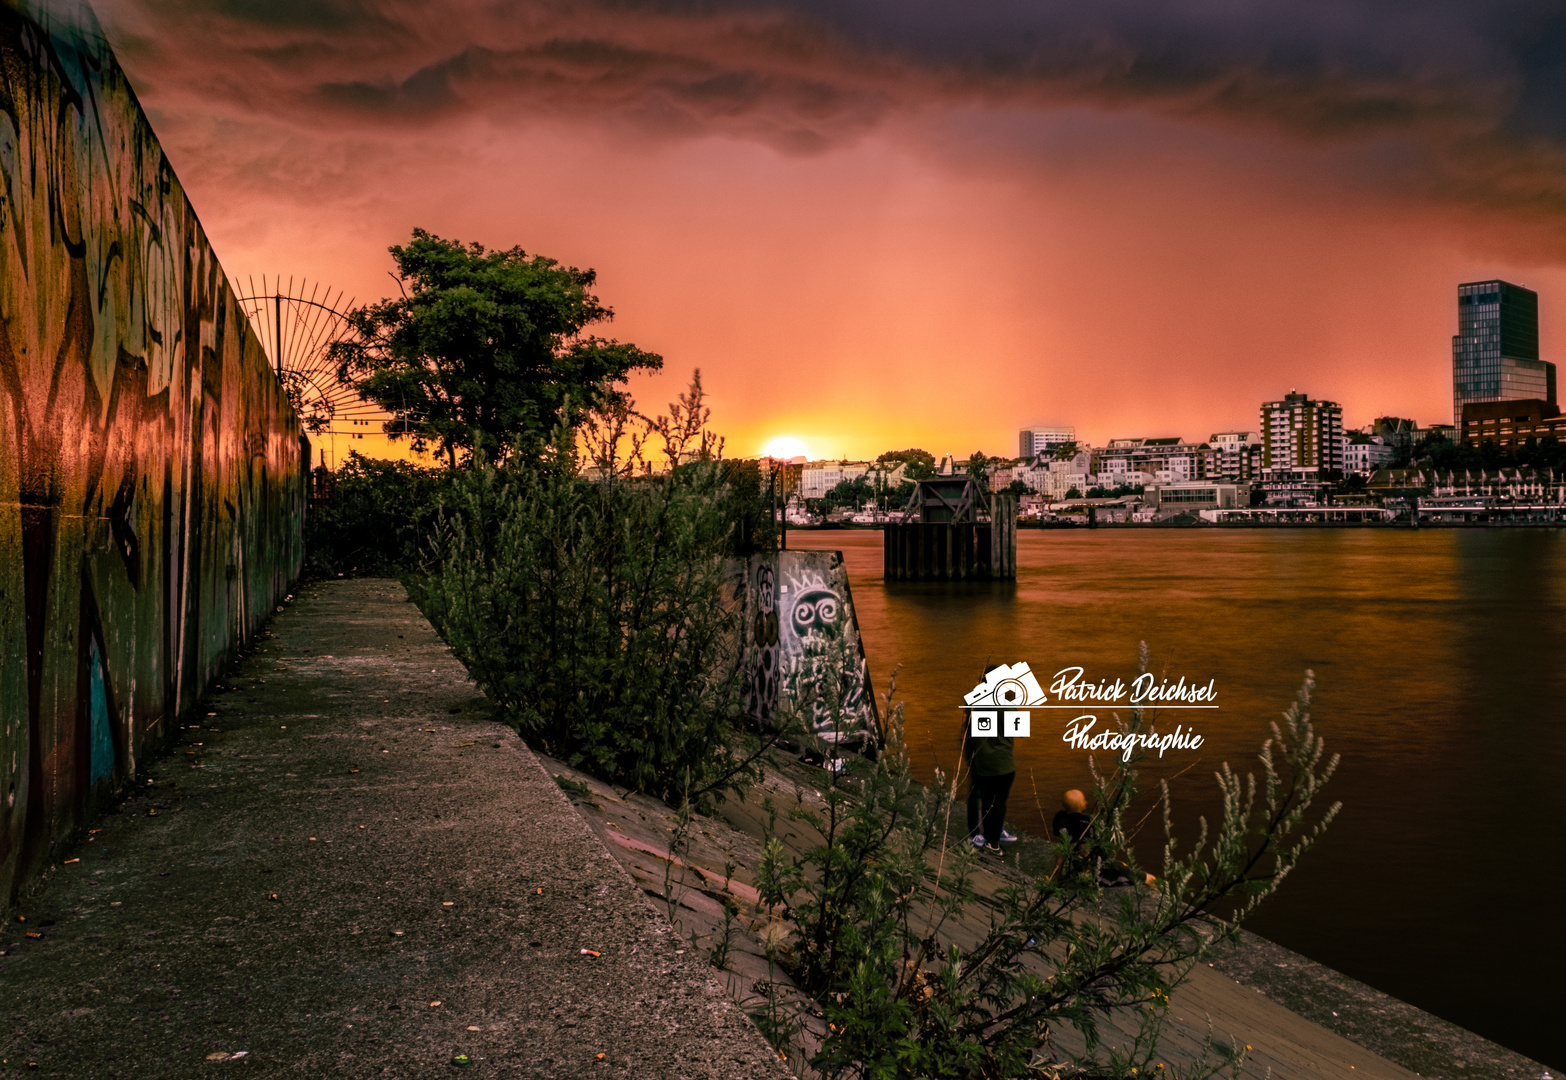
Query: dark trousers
[[987, 805]]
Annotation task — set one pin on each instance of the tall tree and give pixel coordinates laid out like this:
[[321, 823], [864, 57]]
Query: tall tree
[[485, 351]]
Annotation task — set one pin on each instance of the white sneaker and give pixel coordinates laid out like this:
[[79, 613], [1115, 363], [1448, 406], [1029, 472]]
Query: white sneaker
[[1007, 837], [978, 841]]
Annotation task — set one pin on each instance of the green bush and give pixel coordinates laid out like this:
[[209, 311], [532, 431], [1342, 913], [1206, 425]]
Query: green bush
[[594, 613], [595, 607], [373, 519]]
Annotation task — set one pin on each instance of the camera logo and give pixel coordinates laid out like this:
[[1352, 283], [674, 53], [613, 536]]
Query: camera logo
[[999, 705]]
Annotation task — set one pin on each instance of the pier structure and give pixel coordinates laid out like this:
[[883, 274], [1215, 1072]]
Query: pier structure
[[952, 530]]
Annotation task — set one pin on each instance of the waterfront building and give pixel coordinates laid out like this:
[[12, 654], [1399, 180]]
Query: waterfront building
[[1033, 441], [1053, 476], [1234, 456], [1508, 495], [1140, 461], [1033, 474], [1364, 454], [789, 473], [1495, 352], [1309, 514], [816, 478], [1168, 499], [1395, 431], [1301, 439], [1510, 424], [1063, 474]]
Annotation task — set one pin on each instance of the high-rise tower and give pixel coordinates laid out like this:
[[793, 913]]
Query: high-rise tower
[[1301, 439], [1495, 354]]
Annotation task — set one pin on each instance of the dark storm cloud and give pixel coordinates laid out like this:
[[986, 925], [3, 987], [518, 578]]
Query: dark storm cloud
[[1477, 89]]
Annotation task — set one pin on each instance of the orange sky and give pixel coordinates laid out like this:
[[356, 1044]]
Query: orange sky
[[885, 240]]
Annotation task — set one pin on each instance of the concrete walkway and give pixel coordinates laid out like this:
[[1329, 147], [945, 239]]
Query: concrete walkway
[[349, 870]]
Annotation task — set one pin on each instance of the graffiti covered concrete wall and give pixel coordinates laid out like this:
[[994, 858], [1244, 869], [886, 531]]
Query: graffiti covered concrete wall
[[150, 479], [797, 606]]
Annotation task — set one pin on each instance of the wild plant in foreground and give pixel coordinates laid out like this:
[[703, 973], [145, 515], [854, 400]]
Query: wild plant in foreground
[[911, 973], [594, 606]]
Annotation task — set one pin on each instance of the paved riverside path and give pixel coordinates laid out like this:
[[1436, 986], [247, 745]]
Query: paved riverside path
[[347, 840]]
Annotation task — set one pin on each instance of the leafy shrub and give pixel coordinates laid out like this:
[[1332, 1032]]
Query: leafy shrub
[[374, 519], [594, 608]]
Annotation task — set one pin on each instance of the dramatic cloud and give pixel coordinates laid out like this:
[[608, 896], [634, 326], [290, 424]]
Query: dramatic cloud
[[1141, 217], [1472, 93]]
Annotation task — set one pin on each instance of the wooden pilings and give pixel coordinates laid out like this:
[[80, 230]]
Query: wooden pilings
[[935, 551], [943, 551], [945, 542], [1003, 536]]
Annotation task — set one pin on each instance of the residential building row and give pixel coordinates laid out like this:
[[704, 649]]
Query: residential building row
[[1502, 393], [1300, 445]]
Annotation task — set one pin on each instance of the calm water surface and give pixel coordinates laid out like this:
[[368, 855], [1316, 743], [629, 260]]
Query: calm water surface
[[1440, 661]]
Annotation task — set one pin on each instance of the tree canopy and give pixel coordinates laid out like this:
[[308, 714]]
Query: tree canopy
[[920, 463], [485, 351]]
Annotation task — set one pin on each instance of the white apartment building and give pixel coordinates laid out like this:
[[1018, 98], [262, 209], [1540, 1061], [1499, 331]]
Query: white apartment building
[[1364, 454], [1234, 456], [1053, 477], [817, 478], [1031, 442], [1141, 461], [1061, 475], [1033, 474]]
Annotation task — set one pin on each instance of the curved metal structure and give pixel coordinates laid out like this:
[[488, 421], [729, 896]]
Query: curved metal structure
[[297, 328]]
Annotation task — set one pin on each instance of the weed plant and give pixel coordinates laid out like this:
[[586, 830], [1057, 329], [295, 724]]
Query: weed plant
[[594, 605], [911, 972]]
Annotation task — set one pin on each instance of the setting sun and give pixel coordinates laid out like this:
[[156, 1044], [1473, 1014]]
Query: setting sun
[[786, 446]]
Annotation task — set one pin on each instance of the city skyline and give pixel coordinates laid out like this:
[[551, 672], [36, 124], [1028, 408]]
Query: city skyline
[[1137, 220]]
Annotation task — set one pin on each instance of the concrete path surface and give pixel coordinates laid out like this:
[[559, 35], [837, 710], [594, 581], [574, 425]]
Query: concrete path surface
[[348, 869]]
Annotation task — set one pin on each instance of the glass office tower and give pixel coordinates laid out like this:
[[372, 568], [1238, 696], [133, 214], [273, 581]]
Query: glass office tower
[[1495, 355]]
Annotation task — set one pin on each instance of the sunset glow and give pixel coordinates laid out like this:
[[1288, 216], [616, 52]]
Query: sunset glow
[[785, 446]]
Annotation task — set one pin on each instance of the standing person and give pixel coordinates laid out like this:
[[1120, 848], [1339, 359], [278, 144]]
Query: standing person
[[991, 769], [990, 792], [975, 807]]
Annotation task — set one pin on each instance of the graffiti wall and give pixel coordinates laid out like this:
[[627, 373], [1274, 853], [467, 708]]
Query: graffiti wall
[[150, 477], [802, 648]]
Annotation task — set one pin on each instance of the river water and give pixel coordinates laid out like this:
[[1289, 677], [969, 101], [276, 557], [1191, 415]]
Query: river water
[[1440, 664]]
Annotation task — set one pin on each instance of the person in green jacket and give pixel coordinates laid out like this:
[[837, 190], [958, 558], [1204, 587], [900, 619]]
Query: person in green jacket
[[992, 770]]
